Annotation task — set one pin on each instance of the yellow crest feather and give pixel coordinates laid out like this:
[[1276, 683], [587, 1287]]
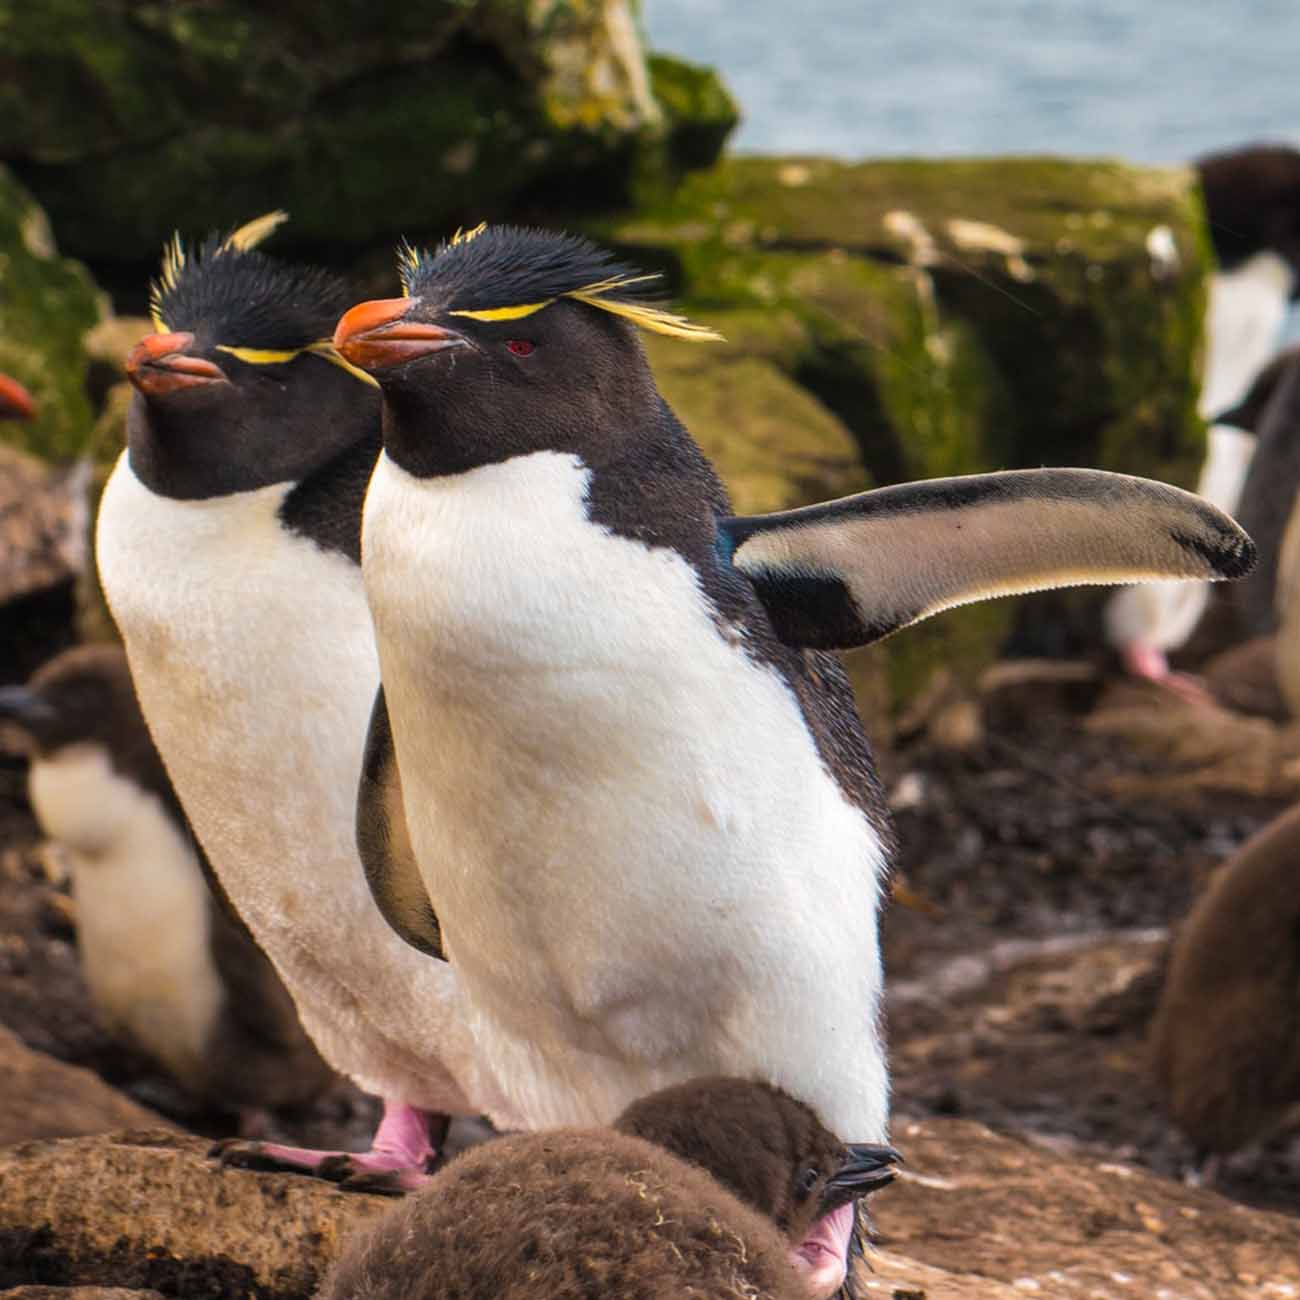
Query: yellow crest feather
[[464, 236], [325, 348], [504, 313], [643, 314], [408, 260], [254, 232], [173, 260]]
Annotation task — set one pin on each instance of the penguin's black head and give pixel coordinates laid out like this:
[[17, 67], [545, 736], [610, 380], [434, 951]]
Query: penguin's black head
[[15, 401], [510, 341], [240, 386], [1252, 201], [83, 696], [769, 1149]]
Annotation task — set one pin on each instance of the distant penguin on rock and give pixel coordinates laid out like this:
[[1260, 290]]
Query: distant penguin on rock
[[15, 401], [697, 1191], [229, 549], [645, 824], [167, 965], [1252, 204], [1225, 1040]]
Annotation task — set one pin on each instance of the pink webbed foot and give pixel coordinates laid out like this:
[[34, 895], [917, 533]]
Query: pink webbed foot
[[822, 1257], [1149, 663], [401, 1156]]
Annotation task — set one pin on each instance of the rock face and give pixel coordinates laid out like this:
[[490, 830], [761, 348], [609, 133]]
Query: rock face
[[150, 1210], [364, 121], [973, 1215], [943, 317], [44, 1098], [978, 1215], [47, 304]]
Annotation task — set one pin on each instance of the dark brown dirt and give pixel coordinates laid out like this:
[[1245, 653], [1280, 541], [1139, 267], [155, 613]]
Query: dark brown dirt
[[1023, 1004]]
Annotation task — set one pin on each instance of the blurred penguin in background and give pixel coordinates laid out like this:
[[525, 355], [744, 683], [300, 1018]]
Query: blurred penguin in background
[[1252, 203], [1225, 1040], [168, 966], [699, 1190]]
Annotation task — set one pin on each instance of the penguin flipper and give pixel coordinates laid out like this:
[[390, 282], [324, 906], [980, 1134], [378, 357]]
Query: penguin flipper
[[854, 571], [385, 845]]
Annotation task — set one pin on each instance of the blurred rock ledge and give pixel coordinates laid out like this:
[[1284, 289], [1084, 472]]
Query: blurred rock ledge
[[365, 120]]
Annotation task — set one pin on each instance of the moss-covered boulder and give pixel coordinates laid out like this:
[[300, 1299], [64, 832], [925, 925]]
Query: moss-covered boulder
[[947, 317], [47, 304], [364, 120]]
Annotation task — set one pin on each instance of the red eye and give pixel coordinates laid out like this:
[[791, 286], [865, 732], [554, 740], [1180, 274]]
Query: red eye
[[520, 347]]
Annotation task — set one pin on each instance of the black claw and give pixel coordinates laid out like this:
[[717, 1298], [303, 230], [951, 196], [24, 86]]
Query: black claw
[[338, 1169]]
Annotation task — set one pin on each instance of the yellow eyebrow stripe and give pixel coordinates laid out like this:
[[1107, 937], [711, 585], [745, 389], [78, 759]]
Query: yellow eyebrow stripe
[[325, 349], [504, 313], [260, 356]]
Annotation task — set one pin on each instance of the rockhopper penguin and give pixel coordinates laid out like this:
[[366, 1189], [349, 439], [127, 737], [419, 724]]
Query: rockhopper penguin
[[228, 547], [1252, 206], [168, 965], [649, 834], [696, 1191]]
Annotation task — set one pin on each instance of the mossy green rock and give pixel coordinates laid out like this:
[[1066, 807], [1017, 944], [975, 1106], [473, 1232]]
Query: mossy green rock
[[951, 317], [47, 304], [365, 120]]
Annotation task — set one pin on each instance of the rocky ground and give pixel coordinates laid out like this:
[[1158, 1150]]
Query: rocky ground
[[1049, 841]]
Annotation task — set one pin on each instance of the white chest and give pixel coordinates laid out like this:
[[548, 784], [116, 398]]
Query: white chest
[[1244, 319], [142, 905], [255, 663], [623, 823]]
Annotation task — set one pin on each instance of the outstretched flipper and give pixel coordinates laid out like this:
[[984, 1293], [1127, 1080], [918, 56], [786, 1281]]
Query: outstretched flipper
[[853, 571], [385, 845]]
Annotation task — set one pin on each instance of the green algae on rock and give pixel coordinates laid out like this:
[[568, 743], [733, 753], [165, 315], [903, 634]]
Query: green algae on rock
[[366, 122], [47, 304]]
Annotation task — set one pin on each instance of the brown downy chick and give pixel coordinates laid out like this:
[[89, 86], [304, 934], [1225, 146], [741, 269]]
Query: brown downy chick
[[1225, 1039], [700, 1190], [167, 963]]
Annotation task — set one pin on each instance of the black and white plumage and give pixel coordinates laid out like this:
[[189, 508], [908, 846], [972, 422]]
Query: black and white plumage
[[1252, 204], [647, 825], [228, 543]]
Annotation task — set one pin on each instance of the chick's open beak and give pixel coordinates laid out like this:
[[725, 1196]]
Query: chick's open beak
[[376, 335], [160, 364], [866, 1168], [15, 401]]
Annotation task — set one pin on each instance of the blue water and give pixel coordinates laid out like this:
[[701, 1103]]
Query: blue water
[[1157, 82]]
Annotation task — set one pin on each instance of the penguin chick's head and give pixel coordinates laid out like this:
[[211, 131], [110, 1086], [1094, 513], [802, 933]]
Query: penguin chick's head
[[82, 696], [15, 401], [240, 386], [511, 341], [769, 1149], [78, 715]]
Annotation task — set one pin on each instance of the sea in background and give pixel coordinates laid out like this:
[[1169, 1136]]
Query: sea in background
[[1146, 80]]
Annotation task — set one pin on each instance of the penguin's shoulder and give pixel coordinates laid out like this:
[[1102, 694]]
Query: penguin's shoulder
[[326, 506], [669, 496]]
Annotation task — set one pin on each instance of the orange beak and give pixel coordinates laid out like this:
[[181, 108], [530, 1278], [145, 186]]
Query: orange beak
[[375, 335], [158, 364], [15, 401]]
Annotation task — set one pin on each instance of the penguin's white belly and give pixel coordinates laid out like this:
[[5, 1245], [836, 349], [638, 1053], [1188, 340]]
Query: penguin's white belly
[[142, 907], [252, 654], [1243, 328], [643, 870]]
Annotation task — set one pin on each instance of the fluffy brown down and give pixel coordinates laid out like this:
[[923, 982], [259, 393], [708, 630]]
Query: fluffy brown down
[[568, 1215], [1225, 1039]]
